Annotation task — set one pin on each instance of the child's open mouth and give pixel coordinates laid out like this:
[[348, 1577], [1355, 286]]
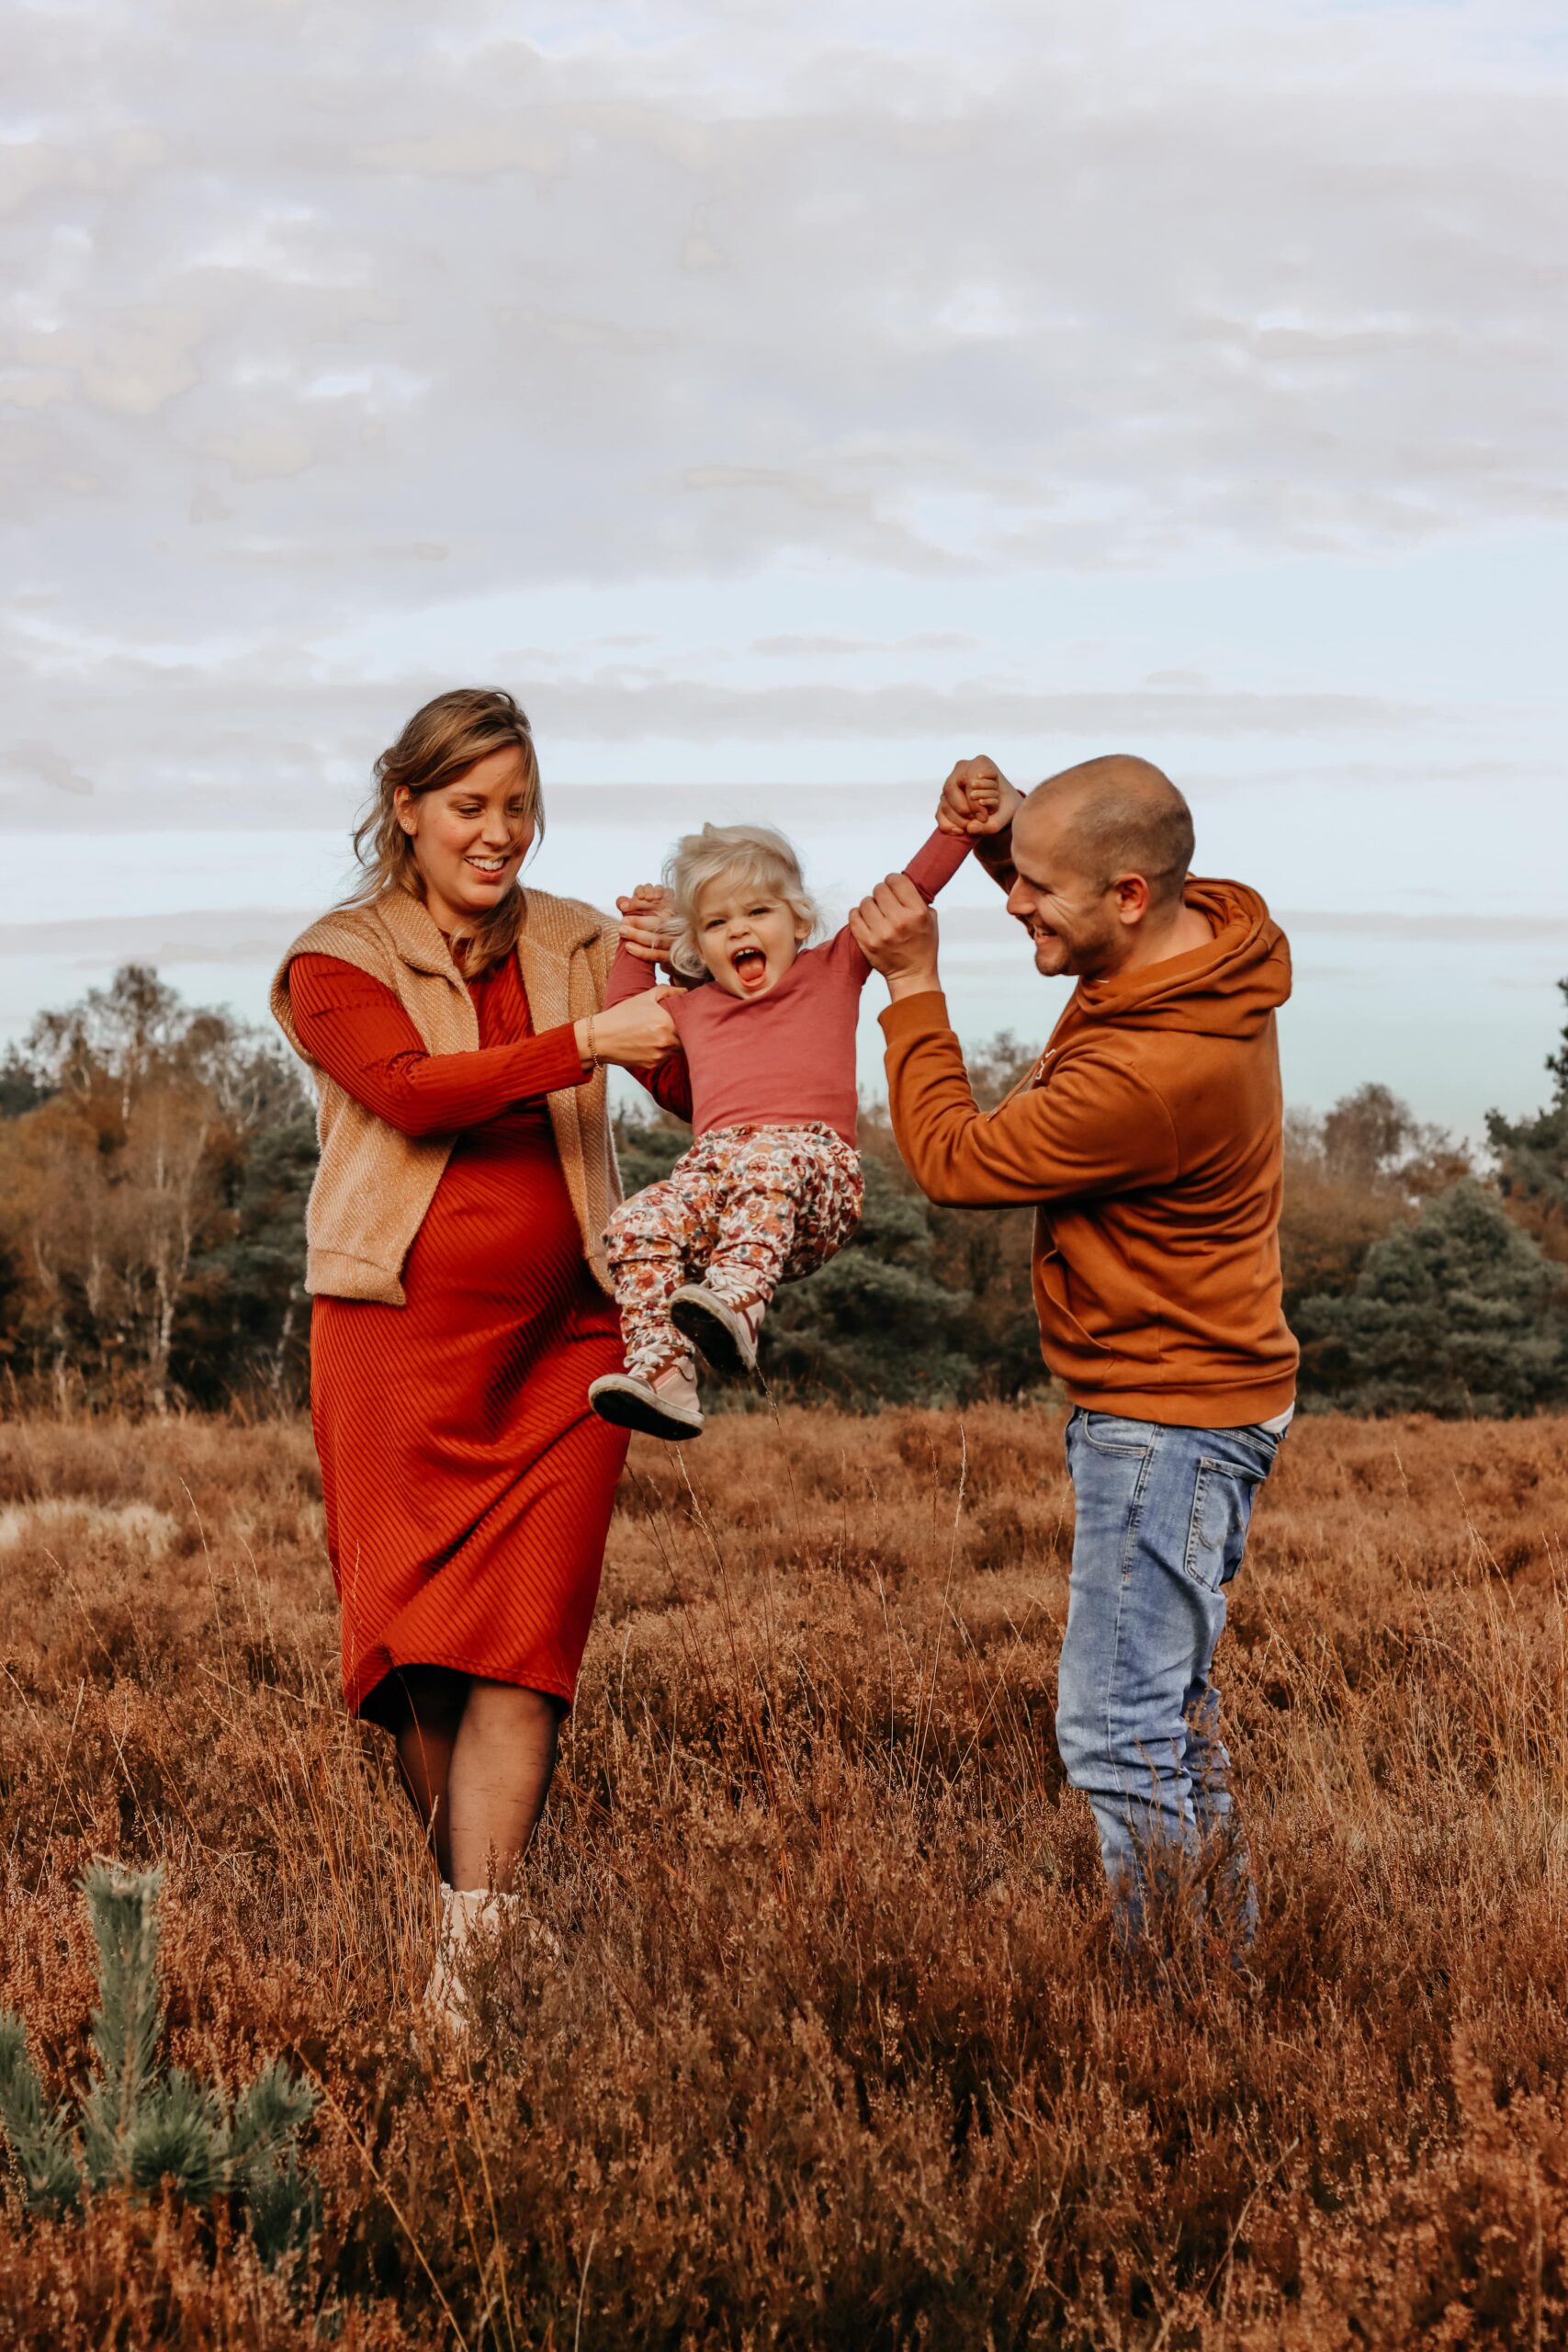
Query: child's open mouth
[[751, 967]]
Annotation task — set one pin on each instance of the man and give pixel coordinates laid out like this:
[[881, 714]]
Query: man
[[1149, 1137]]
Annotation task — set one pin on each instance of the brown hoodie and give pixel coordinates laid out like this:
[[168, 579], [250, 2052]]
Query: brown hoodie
[[1149, 1138]]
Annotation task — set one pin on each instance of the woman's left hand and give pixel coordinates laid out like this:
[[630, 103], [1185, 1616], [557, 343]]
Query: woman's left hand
[[647, 931]]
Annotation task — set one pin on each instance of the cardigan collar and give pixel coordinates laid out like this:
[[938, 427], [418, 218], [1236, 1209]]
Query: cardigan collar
[[559, 924], [415, 934]]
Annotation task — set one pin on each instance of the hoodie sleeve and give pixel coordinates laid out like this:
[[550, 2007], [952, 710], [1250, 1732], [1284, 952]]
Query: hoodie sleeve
[[1093, 1128]]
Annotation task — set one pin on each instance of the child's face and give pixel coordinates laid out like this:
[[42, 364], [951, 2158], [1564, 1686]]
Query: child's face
[[747, 938]]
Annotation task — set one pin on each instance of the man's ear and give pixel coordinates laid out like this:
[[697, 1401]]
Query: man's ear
[[1131, 898]]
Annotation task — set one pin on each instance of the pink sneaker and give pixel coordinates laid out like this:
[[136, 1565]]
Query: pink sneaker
[[727, 1334], [665, 1404]]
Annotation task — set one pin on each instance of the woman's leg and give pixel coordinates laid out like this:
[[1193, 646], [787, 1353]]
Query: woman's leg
[[501, 1768], [434, 1700]]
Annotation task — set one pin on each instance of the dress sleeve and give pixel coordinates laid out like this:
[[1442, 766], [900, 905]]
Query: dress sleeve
[[355, 1027], [670, 1085]]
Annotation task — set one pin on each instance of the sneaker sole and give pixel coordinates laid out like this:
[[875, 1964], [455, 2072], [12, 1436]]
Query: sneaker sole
[[627, 1410], [695, 1321]]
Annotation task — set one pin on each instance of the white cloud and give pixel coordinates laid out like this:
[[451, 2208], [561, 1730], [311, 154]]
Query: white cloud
[[1258, 278]]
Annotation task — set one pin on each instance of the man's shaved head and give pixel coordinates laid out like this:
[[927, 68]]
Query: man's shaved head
[[1119, 815]]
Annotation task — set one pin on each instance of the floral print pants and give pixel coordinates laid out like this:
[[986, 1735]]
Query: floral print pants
[[744, 1210]]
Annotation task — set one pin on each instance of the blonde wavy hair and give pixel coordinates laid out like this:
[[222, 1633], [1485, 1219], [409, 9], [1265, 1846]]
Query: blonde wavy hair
[[442, 738], [754, 856]]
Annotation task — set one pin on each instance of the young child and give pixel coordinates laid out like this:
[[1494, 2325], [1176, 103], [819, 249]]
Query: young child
[[773, 1185]]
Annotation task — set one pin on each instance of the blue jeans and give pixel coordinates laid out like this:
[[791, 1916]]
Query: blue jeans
[[1162, 1520]]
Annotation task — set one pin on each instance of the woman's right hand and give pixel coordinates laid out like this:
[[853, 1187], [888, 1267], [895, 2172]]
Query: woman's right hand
[[634, 1034]]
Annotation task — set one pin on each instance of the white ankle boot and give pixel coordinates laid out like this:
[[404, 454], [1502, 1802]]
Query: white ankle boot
[[471, 1916]]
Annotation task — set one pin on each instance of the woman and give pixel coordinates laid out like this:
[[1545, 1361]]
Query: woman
[[462, 1301]]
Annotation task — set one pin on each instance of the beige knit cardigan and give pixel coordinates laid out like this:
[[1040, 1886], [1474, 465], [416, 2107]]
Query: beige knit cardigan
[[373, 1185]]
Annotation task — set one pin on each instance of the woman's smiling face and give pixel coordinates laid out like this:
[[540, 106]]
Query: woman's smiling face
[[746, 936], [469, 837]]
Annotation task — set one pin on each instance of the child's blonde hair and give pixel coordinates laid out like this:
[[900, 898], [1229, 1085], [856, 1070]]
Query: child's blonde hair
[[754, 856]]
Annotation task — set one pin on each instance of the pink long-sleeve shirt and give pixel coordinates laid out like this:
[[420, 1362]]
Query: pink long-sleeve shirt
[[787, 1059]]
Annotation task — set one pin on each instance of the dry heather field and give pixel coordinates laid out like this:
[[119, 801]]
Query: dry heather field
[[840, 2052]]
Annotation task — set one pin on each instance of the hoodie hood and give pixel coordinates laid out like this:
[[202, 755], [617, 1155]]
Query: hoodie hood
[[1228, 989]]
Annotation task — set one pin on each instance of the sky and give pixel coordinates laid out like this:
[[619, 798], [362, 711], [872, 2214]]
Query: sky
[[785, 402]]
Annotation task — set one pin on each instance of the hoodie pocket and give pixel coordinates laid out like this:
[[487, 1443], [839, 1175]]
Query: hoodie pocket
[[1128, 1343]]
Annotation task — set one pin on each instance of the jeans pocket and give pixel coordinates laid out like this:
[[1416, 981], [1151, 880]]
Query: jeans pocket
[[1222, 1513], [1109, 1434]]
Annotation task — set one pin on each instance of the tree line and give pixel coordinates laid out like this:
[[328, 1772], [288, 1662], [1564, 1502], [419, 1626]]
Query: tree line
[[156, 1158]]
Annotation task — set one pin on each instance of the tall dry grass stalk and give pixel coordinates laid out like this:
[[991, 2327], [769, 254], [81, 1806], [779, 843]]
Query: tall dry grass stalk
[[841, 2053]]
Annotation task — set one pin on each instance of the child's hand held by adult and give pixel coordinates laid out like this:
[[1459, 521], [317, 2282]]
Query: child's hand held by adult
[[978, 799], [647, 930], [895, 930], [634, 1034]]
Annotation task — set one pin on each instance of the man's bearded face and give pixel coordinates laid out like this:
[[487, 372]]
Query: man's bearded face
[[1070, 916]]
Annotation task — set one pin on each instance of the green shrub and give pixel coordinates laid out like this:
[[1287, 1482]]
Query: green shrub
[[141, 2126], [1458, 1312]]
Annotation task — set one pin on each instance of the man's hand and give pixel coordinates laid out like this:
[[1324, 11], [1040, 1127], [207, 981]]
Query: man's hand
[[978, 799], [896, 932], [646, 930]]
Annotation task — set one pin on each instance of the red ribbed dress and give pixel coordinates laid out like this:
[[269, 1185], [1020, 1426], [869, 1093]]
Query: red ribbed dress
[[468, 1485]]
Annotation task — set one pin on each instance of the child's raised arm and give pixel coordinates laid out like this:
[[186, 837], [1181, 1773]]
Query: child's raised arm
[[646, 922], [934, 866], [645, 938]]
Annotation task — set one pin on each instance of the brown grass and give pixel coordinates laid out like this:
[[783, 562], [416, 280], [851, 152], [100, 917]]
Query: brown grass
[[841, 2054]]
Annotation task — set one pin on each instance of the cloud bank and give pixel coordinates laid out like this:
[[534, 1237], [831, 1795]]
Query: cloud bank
[[323, 322]]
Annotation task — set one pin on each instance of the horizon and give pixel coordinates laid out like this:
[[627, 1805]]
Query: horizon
[[989, 973]]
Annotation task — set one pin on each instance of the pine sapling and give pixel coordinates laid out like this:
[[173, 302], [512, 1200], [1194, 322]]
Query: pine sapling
[[141, 2126], [37, 2133]]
